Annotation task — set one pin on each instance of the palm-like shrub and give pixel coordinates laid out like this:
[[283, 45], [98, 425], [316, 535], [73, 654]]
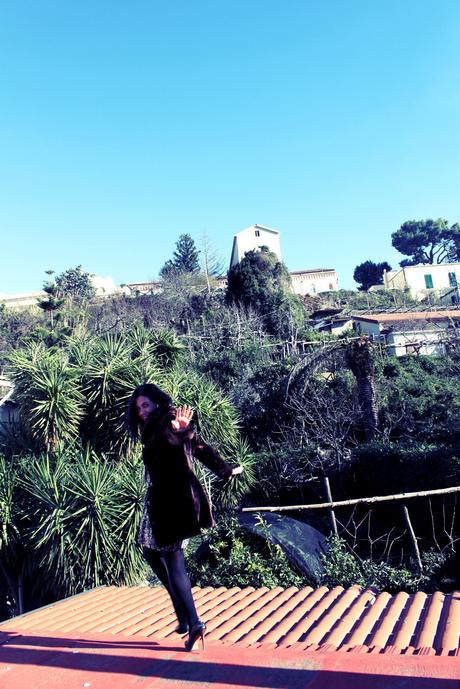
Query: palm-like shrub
[[79, 521], [10, 562], [217, 423], [168, 349], [111, 367], [46, 387], [215, 416], [231, 493]]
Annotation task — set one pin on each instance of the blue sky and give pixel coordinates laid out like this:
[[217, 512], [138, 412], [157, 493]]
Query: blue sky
[[123, 125]]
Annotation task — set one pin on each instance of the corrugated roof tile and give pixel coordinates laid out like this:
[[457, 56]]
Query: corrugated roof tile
[[321, 620]]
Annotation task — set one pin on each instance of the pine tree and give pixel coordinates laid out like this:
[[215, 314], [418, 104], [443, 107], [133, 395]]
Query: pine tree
[[185, 257]]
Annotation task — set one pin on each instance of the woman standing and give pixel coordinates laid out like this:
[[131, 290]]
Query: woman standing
[[176, 505]]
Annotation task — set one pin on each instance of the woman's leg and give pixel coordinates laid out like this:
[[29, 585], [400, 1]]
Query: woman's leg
[[157, 564], [180, 583]]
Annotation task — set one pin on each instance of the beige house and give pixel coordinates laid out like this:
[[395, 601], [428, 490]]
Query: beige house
[[314, 281], [151, 287]]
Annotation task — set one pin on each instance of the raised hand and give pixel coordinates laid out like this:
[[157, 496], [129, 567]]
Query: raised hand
[[183, 417], [236, 470]]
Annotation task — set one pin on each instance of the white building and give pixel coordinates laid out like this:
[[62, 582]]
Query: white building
[[103, 286], [22, 300], [314, 281], [253, 238], [303, 281], [424, 279], [150, 287], [416, 332]]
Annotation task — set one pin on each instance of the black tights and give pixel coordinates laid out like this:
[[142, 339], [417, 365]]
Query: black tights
[[170, 570]]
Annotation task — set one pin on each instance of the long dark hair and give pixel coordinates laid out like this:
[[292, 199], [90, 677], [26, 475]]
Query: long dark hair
[[156, 395]]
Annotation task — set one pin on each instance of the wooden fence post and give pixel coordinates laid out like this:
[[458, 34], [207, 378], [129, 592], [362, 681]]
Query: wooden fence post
[[331, 511], [413, 537]]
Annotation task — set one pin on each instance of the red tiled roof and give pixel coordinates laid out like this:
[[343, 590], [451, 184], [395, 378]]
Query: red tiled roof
[[320, 620], [409, 316]]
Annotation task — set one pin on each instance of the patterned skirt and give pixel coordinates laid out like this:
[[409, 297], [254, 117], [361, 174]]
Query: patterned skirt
[[145, 536]]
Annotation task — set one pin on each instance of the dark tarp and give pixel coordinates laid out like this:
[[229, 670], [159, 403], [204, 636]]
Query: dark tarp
[[301, 543]]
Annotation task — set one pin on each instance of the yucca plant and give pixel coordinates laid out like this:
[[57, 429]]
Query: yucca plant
[[168, 348], [112, 371], [11, 561], [217, 423], [130, 489], [94, 518], [80, 518], [48, 507], [46, 387], [215, 417], [232, 492]]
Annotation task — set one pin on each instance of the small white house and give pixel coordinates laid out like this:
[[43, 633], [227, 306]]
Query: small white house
[[424, 279], [22, 300], [314, 281], [253, 238], [150, 287], [417, 332]]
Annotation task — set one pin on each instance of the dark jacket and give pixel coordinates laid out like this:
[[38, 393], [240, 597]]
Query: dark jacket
[[178, 506]]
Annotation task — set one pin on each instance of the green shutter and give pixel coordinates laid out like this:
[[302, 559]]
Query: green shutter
[[428, 281], [452, 280]]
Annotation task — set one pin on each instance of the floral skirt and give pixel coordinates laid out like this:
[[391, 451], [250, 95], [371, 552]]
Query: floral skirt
[[146, 538]]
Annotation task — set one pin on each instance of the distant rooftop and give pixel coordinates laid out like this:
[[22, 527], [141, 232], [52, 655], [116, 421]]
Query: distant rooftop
[[258, 227], [410, 316], [312, 270]]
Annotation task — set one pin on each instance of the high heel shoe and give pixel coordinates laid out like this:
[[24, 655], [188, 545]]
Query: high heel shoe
[[196, 631]]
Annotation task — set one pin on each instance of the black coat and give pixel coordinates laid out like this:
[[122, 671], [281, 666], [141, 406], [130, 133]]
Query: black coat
[[178, 506]]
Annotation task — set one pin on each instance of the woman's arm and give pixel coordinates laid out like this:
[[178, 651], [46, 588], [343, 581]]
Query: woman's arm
[[181, 424], [212, 459]]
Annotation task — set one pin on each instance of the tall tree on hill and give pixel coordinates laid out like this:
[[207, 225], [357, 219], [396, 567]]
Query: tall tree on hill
[[370, 273], [427, 241], [211, 262], [75, 283], [185, 258], [262, 282], [359, 360], [53, 301]]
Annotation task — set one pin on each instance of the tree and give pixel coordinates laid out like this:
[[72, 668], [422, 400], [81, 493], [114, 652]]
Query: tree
[[185, 258], [359, 359], [427, 241], [262, 282], [257, 275], [53, 301], [75, 283], [370, 273], [212, 264]]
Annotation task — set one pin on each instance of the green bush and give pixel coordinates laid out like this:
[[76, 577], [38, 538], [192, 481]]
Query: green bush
[[231, 557], [68, 522], [342, 568]]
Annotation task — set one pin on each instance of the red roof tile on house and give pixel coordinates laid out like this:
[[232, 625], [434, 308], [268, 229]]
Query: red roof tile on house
[[337, 619], [409, 316], [256, 638]]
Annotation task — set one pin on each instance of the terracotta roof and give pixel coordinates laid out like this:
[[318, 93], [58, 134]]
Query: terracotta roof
[[312, 270], [321, 620], [409, 316]]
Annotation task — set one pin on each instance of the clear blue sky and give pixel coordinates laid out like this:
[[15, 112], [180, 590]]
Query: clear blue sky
[[125, 124]]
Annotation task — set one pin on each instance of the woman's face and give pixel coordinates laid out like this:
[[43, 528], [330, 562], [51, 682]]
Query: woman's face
[[145, 407]]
